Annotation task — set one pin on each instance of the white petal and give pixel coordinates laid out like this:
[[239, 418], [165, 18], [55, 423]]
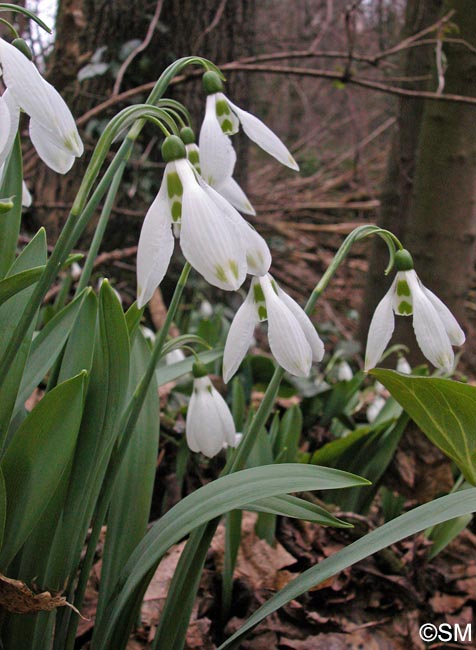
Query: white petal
[[217, 155], [451, 325], [287, 341], [258, 256], [264, 137], [209, 241], [156, 244], [430, 332], [57, 159], [39, 99], [317, 346], [209, 423], [233, 193], [26, 199], [381, 329], [239, 337], [5, 121], [230, 116]]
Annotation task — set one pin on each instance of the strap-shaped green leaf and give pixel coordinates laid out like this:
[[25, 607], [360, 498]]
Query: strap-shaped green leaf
[[210, 501], [430, 514], [36, 460], [288, 506], [445, 410], [16, 283]]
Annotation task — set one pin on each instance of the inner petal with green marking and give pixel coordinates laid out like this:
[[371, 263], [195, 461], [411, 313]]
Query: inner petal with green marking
[[175, 193], [224, 117], [260, 302]]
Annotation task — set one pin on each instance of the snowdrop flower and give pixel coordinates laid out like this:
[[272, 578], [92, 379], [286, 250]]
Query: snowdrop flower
[[403, 366], [436, 328], [293, 339], [209, 425], [214, 238], [174, 356], [217, 155], [53, 131], [375, 407], [344, 371], [26, 199]]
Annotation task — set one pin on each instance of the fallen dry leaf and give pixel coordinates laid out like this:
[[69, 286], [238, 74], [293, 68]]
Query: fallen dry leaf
[[17, 598]]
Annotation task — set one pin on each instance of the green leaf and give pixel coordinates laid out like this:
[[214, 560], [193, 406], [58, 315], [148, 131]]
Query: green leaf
[[16, 283], [3, 505], [287, 442], [36, 460], [46, 347], [446, 532], [289, 506], [33, 255], [210, 501], [132, 487], [10, 221], [445, 410], [165, 374], [430, 514]]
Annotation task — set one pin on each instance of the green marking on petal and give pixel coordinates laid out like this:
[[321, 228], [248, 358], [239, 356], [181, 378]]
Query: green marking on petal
[[404, 308], [258, 294], [275, 286], [262, 313], [176, 210], [402, 288], [222, 108], [220, 273], [174, 185], [234, 268], [193, 157], [227, 127], [209, 389]]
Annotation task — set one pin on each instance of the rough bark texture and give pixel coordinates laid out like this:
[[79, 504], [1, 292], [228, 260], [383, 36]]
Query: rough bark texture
[[398, 186], [442, 228]]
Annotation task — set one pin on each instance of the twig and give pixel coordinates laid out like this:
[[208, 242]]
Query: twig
[[211, 26], [140, 48]]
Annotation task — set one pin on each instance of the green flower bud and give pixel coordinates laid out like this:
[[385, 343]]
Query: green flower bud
[[6, 205], [212, 83], [173, 149], [187, 135], [199, 370], [21, 45], [403, 260]]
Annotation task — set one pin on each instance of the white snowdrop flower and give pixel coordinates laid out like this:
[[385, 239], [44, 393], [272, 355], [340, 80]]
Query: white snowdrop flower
[[293, 339], [214, 237], [149, 334], [76, 271], [205, 310], [403, 366], [174, 356], [53, 130], [238, 439], [436, 329], [217, 160], [344, 371], [220, 110], [209, 425], [375, 407]]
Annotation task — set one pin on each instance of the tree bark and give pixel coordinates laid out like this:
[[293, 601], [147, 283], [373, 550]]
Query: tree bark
[[398, 185]]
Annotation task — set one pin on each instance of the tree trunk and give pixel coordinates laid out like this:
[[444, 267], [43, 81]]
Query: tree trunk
[[441, 230], [398, 185]]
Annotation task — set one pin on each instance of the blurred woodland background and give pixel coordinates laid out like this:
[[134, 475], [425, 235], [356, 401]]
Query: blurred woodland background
[[376, 99]]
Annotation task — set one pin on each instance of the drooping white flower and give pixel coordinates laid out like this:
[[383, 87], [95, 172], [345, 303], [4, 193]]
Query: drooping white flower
[[403, 366], [344, 371], [53, 131], [209, 425], [293, 339], [217, 160], [220, 110], [214, 237], [436, 329], [374, 408]]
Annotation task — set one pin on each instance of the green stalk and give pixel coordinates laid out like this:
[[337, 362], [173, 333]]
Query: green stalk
[[101, 228], [125, 432]]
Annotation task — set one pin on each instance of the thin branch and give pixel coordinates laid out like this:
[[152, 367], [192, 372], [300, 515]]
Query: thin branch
[[140, 48], [211, 26]]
